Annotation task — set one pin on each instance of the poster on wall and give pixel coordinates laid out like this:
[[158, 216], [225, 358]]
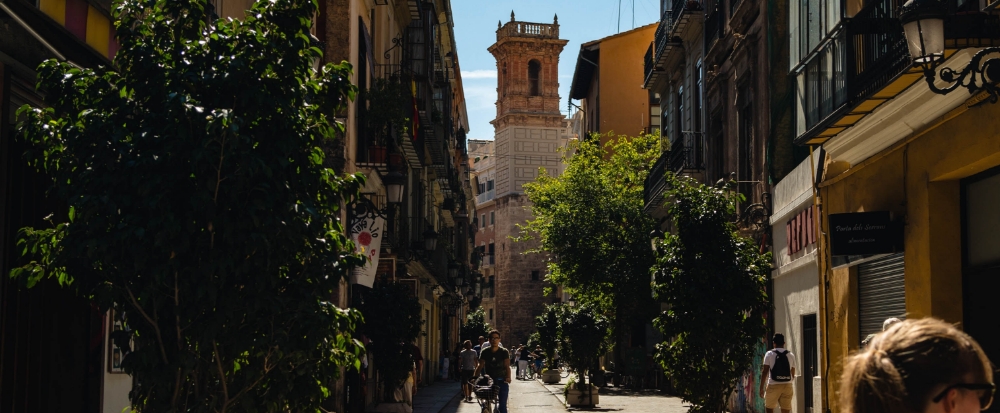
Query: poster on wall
[[366, 232], [116, 354]]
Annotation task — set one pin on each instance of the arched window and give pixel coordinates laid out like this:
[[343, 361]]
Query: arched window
[[534, 68]]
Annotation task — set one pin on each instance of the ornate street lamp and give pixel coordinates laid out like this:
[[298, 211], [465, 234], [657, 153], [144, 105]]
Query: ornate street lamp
[[430, 239], [923, 26], [394, 186]]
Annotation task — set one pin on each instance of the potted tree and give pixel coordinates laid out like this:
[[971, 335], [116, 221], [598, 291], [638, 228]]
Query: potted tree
[[586, 335], [385, 114], [549, 337]]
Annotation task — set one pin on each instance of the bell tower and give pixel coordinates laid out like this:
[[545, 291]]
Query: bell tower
[[528, 132], [527, 57]]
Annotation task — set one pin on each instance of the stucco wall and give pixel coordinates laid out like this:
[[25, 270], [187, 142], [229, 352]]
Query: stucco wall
[[624, 104], [796, 293]]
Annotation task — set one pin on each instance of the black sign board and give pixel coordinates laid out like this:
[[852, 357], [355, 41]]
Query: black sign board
[[864, 233]]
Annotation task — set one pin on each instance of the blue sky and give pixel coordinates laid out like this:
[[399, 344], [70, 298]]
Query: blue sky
[[580, 21]]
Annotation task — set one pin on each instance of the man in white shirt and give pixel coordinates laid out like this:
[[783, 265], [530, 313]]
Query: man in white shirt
[[777, 373]]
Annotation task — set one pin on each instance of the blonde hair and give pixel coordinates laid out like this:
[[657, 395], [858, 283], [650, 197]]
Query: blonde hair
[[899, 369]]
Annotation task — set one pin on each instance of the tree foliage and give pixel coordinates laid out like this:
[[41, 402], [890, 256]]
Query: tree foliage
[[591, 218], [475, 326], [585, 336], [549, 330], [714, 281], [200, 204], [387, 325]]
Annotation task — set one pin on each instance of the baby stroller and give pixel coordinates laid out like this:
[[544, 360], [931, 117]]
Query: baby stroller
[[486, 393]]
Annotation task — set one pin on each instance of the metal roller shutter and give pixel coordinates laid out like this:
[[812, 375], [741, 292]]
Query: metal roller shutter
[[881, 293]]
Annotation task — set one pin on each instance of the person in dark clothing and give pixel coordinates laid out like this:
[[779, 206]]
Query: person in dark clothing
[[495, 362]]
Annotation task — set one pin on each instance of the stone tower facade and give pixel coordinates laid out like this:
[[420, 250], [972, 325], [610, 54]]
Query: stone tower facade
[[528, 132]]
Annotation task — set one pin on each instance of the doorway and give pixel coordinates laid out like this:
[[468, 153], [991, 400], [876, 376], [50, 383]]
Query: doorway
[[810, 359], [981, 261]]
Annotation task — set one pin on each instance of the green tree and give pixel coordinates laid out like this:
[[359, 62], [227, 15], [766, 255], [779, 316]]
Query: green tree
[[713, 281], [591, 217], [387, 326], [549, 331], [475, 326], [200, 204], [585, 334]]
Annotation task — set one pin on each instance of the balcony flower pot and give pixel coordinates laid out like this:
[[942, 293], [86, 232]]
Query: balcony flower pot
[[377, 154], [551, 376], [577, 397]]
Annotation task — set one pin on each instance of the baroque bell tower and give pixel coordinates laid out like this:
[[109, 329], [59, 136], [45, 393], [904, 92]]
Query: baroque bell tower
[[528, 133]]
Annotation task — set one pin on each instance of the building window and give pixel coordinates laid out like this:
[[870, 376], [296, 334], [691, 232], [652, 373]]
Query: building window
[[534, 275], [491, 314], [534, 69], [493, 217], [483, 221], [679, 117]]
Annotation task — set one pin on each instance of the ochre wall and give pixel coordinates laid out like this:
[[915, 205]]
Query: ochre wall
[[624, 104], [918, 180]]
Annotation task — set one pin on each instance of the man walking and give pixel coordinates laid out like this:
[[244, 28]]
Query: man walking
[[778, 371], [495, 362]]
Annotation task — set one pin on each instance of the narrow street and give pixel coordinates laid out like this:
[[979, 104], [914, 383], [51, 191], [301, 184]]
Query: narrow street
[[531, 396]]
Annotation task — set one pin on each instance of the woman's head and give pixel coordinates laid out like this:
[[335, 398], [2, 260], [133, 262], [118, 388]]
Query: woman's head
[[914, 365], [467, 344]]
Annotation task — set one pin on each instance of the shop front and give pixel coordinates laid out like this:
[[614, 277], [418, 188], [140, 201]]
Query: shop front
[[928, 202]]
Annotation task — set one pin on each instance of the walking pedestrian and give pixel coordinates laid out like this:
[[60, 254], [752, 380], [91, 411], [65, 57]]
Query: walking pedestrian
[[523, 356], [495, 362], [468, 359], [479, 347], [918, 366], [777, 373]]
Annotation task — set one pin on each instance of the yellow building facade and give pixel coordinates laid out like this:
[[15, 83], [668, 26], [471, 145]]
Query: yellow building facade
[[608, 83], [932, 162]]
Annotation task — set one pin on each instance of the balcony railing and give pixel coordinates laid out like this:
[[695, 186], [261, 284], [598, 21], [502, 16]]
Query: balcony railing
[[655, 184], [648, 64], [867, 54], [685, 158], [485, 196], [662, 35]]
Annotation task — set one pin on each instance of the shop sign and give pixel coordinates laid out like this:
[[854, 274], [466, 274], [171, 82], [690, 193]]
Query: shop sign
[[864, 233]]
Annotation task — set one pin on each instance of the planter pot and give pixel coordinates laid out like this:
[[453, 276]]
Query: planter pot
[[551, 376], [575, 397], [377, 154]]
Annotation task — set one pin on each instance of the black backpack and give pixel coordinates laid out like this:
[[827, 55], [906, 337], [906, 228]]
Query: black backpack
[[781, 371]]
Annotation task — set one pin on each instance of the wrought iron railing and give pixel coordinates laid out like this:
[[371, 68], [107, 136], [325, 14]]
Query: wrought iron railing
[[662, 35], [683, 158], [656, 184], [681, 6], [866, 54], [648, 64]]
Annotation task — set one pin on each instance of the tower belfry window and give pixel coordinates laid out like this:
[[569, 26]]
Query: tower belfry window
[[534, 67]]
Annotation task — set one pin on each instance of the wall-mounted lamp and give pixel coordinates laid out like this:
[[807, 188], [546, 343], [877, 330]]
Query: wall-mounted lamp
[[923, 26], [655, 237]]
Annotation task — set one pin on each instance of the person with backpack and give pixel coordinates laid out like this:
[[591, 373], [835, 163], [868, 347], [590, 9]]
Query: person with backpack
[[777, 374]]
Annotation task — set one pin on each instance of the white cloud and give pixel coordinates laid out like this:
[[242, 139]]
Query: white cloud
[[479, 74]]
